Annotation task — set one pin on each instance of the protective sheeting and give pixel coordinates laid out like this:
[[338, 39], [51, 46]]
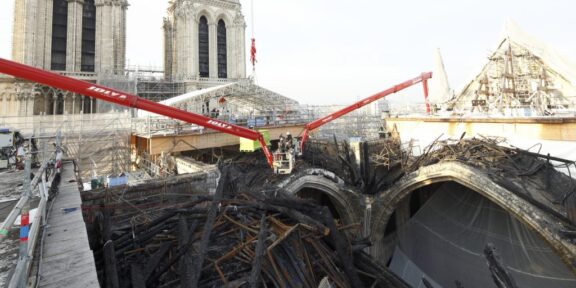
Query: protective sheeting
[[549, 55], [190, 95], [408, 271], [174, 101], [440, 91], [536, 67], [242, 97], [447, 237]]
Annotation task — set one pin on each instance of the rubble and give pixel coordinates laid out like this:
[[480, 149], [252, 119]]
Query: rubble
[[234, 239]]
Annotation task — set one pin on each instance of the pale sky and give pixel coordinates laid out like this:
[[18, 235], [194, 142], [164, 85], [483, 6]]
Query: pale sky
[[334, 52]]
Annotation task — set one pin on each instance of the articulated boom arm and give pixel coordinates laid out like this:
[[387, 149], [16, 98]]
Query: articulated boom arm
[[128, 100], [319, 122]]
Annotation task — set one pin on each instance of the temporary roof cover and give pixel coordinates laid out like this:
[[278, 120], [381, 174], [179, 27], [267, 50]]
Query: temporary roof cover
[[241, 96]]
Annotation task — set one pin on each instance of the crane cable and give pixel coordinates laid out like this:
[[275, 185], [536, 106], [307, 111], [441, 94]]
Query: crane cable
[[253, 44]]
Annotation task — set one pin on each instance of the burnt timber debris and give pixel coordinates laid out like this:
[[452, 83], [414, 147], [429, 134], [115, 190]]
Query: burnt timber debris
[[234, 239], [250, 233]]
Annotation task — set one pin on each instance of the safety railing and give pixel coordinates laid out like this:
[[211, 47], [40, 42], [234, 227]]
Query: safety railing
[[155, 125], [29, 230]]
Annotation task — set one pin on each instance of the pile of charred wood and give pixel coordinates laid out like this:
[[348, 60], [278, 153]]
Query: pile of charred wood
[[234, 239]]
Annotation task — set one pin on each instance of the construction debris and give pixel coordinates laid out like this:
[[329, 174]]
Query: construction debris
[[235, 239], [375, 166], [529, 175]]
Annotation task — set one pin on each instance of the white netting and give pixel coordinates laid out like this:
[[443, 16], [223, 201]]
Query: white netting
[[446, 239]]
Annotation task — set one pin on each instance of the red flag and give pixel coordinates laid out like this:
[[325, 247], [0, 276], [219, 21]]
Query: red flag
[[253, 52]]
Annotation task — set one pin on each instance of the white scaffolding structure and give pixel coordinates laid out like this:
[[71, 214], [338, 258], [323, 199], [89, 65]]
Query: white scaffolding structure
[[100, 143]]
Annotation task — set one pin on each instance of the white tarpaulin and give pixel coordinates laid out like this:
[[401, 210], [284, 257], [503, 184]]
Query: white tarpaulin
[[440, 91], [549, 55]]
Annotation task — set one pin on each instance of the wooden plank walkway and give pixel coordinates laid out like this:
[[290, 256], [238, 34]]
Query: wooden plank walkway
[[67, 260]]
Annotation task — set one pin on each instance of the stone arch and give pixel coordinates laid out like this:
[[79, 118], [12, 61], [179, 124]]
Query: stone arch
[[347, 202], [206, 13], [222, 15], [547, 226]]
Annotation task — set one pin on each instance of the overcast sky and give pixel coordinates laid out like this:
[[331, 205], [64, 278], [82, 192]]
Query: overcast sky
[[333, 52]]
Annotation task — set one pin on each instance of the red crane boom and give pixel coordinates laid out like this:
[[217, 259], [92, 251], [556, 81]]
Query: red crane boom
[[125, 99], [319, 122]]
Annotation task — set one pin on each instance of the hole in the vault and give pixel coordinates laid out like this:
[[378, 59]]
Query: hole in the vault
[[320, 197], [442, 233], [408, 207]]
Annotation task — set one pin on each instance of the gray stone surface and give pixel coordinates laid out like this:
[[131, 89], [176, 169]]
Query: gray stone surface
[[67, 260]]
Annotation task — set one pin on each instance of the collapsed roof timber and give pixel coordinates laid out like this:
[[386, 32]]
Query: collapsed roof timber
[[496, 210]]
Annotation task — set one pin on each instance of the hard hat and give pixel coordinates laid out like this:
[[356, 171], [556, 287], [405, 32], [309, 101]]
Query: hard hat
[[288, 133]]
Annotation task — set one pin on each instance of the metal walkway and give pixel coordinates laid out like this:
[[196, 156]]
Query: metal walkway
[[67, 260]]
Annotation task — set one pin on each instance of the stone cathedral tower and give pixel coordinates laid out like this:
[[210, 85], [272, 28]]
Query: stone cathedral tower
[[70, 35], [80, 38], [204, 41]]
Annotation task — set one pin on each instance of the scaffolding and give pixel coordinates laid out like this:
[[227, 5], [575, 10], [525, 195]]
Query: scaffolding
[[364, 123], [100, 143], [523, 77]]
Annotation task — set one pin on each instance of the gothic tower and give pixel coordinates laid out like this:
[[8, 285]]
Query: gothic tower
[[81, 38], [70, 35], [204, 40]]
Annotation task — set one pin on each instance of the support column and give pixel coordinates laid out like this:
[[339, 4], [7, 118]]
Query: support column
[[98, 35], [64, 98], [47, 48], [17, 99], [55, 103], [32, 102], [104, 58], [239, 45], [194, 61], [212, 48], [179, 45], [74, 38], [47, 100], [186, 45], [73, 103], [23, 103], [30, 31], [241, 73], [121, 61], [168, 48], [231, 50]]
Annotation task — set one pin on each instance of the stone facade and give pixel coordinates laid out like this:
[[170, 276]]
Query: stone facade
[[181, 39], [110, 35], [86, 56]]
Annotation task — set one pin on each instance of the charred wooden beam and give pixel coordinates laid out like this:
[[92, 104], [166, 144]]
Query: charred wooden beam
[[260, 246], [343, 249]]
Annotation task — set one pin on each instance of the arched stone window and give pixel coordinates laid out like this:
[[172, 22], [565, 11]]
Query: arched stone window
[[59, 34], [222, 54], [203, 48]]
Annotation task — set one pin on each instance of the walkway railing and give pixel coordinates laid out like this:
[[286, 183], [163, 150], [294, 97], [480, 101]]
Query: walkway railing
[[29, 237]]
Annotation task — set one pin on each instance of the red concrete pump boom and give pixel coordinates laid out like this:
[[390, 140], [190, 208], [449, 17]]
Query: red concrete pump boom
[[319, 122], [125, 99]]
